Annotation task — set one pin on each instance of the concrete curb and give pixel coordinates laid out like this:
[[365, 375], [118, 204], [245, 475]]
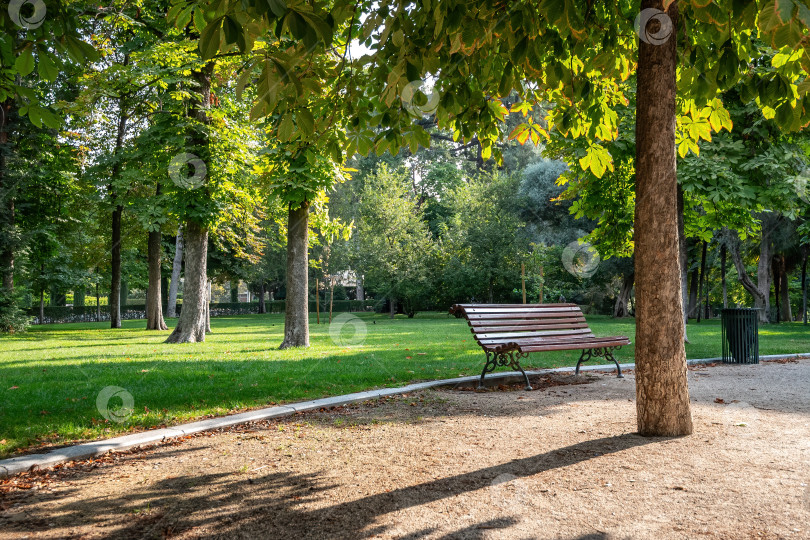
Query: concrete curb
[[12, 466]]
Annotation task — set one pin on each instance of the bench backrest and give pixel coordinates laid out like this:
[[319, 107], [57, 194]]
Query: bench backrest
[[492, 324]]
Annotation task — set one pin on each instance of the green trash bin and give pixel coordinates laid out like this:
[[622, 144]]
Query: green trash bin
[[740, 336]]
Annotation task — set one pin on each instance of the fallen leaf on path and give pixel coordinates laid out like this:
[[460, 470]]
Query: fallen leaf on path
[[719, 400]]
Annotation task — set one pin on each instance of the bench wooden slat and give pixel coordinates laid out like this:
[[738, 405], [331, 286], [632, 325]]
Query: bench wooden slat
[[478, 324], [557, 345], [535, 334], [497, 329], [594, 344], [508, 311], [522, 316], [515, 306]]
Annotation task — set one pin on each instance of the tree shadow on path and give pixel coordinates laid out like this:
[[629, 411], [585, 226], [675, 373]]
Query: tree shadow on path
[[296, 506]]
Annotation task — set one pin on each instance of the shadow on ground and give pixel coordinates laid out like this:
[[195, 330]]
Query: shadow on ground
[[285, 505]]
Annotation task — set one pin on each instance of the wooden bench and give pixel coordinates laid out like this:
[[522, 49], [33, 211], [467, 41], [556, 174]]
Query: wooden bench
[[509, 332]]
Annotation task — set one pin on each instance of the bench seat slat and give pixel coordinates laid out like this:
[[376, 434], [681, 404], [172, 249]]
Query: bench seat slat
[[572, 346], [515, 321], [523, 316], [524, 329], [558, 345], [537, 334], [539, 310]]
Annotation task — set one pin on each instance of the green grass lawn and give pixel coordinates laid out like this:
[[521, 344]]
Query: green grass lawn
[[50, 378]]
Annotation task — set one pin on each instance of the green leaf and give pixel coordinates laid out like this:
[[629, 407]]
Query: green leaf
[[278, 7], [784, 115], [47, 68], [24, 65], [233, 33], [306, 121], [296, 24], [50, 119], [286, 128], [210, 39], [784, 9], [184, 17]]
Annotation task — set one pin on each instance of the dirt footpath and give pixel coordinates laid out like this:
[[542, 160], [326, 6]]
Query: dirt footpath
[[558, 462]]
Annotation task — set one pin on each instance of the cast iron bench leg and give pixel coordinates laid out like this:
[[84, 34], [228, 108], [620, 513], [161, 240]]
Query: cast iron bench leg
[[606, 352], [503, 359]]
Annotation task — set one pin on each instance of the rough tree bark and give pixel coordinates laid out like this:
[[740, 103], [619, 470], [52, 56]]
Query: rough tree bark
[[192, 322], [118, 210], [7, 246], [234, 291], [683, 255], [785, 311], [804, 285], [691, 308], [177, 266], [115, 281], [359, 292], [154, 304], [662, 393], [621, 308], [723, 257], [262, 294], [296, 314], [208, 297], [761, 290], [699, 307]]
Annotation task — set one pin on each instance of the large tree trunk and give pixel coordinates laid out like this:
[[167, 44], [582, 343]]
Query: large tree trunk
[[804, 285], [622, 309], [192, 322], [234, 286], [723, 257], [154, 305], [359, 292], [296, 316], [785, 311], [682, 259], [262, 293], [115, 281], [392, 307], [702, 279], [662, 393], [209, 295], [118, 210], [7, 226], [177, 266], [761, 290], [691, 309], [42, 306]]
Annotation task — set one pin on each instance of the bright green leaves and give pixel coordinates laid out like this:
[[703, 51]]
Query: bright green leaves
[[46, 68], [230, 26], [597, 159], [41, 116], [25, 62], [697, 124]]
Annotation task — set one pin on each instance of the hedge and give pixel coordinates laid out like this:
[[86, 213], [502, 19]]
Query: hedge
[[65, 314]]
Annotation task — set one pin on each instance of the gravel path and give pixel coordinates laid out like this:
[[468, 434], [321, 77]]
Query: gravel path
[[559, 462]]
